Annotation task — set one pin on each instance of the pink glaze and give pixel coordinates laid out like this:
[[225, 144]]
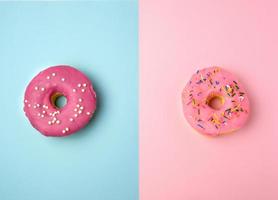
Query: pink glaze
[[71, 83], [204, 84]]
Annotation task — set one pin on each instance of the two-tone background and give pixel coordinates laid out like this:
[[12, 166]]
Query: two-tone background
[[139, 56]]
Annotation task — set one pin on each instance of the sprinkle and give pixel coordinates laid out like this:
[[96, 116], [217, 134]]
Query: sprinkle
[[75, 115], [197, 71], [63, 79], [39, 114], [80, 100], [54, 119], [217, 82], [88, 113], [35, 106], [48, 77], [235, 82], [198, 111], [53, 74], [74, 90], [75, 109], [67, 129], [79, 85], [42, 115], [81, 108], [71, 119], [49, 122], [38, 105], [84, 84], [200, 126], [43, 111], [25, 101], [29, 105], [77, 105], [42, 89], [36, 88], [199, 82], [63, 131], [58, 122], [80, 111], [83, 90]]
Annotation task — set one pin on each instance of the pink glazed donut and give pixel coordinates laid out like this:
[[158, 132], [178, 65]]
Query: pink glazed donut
[[42, 93], [215, 102]]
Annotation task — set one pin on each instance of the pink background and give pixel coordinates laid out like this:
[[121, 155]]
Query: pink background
[[176, 38]]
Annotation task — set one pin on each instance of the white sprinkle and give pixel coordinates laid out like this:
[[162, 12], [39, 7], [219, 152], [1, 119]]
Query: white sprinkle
[[80, 100], [58, 111], [48, 77], [78, 85], [77, 105], [36, 88], [241, 98], [81, 108], [25, 101], [38, 105], [80, 111], [75, 115], [71, 119], [29, 105], [35, 106], [83, 90], [74, 90], [84, 84], [46, 107], [58, 122], [67, 129], [53, 74], [42, 115], [62, 79], [39, 114], [54, 118], [43, 111], [50, 114], [88, 113], [75, 109], [63, 131], [49, 122], [42, 89]]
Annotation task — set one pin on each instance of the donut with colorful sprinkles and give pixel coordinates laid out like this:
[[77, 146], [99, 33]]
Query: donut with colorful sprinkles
[[42, 93], [215, 102]]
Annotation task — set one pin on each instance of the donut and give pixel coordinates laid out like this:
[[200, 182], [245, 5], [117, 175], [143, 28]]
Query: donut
[[215, 102], [43, 91]]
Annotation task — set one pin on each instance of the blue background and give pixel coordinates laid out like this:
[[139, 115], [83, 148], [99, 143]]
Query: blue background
[[101, 161]]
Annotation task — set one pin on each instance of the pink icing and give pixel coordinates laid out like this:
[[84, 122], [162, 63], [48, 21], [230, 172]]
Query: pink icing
[[214, 81], [46, 117]]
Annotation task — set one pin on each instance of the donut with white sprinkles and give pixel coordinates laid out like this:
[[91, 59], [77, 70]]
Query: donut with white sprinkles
[[42, 93]]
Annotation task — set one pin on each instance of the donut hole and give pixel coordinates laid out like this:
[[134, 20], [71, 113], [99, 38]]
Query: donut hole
[[215, 102], [58, 100]]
